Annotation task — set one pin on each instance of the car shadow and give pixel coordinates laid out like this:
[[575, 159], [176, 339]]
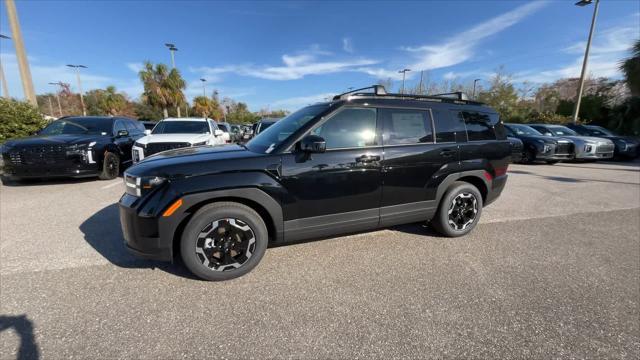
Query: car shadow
[[103, 232], [23, 327]]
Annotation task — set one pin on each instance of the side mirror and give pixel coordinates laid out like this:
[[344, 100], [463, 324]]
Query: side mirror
[[123, 133], [217, 132], [147, 132], [313, 144]]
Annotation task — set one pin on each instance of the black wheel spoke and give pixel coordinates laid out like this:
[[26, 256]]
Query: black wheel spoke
[[231, 239]]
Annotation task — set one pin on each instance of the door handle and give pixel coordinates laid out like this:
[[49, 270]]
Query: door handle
[[367, 158], [447, 152]]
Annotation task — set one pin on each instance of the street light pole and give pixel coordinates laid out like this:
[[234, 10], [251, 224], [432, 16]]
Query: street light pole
[[404, 72], [77, 67], [5, 87], [204, 87], [59, 83], [172, 49], [474, 88], [576, 109], [21, 53]]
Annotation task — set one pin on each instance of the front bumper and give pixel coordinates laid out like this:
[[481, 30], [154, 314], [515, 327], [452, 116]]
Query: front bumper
[[62, 169], [630, 150]]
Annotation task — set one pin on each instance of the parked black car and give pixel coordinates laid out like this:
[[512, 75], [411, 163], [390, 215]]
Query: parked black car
[[538, 147], [517, 147], [73, 147], [625, 146], [262, 125], [362, 161]]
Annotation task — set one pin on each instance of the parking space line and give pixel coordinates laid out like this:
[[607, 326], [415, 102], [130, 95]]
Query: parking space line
[[111, 185]]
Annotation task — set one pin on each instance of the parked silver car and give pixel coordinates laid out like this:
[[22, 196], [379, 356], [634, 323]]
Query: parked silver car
[[586, 147]]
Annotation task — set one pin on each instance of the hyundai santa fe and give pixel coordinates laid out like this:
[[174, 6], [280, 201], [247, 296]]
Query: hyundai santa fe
[[365, 160]]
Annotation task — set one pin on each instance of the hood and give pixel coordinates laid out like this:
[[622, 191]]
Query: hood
[[165, 138], [179, 162], [53, 140]]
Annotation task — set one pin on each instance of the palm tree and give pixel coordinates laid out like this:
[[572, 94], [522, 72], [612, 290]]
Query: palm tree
[[114, 102], [631, 69], [162, 88]]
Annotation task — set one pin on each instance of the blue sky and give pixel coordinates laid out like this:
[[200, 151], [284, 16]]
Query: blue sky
[[288, 54]]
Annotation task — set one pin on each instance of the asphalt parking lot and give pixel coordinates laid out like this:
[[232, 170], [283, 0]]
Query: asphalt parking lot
[[553, 270]]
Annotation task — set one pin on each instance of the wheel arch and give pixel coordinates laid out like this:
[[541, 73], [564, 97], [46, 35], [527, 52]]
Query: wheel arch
[[477, 178]]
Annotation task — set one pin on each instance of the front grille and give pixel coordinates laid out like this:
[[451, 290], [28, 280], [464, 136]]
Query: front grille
[[607, 148], [38, 155], [564, 149], [154, 148]]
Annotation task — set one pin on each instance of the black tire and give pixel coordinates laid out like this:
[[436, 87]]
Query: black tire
[[203, 220], [110, 166], [529, 156], [441, 220], [551, 162]]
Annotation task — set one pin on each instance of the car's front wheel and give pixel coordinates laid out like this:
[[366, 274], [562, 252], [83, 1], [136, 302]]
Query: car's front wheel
[[110, 166], [459, 210], [223, 241]]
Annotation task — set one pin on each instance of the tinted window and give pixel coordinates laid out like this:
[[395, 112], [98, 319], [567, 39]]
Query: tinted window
[[139, 126], [479, 126], [349, 128], [181, 127], [223, 127], [79, 126], [523, 130], [561, 131], [131, 127], [447, 126], [406, 126], [118, 126]]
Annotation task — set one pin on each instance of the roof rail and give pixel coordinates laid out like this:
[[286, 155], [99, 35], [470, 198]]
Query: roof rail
[[378, 90]]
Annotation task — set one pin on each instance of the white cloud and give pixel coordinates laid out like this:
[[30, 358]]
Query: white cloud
[[135, 67], [347, 45], [294, 66], [460, 47]]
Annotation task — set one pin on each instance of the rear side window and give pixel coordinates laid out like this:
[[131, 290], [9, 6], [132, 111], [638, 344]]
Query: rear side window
[[479, 126], [406, 126], [447, 126]]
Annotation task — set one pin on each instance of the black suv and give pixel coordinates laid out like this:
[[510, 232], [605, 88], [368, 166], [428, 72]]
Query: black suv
[[362, 161], [73, 147]]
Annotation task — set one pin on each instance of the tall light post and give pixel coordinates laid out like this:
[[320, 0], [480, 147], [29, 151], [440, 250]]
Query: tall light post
[[581, 3], [5, 87], [21, 53], [59, 83], [172, 49], [204, 87], [475, 81], [78, 67], [404, 72]]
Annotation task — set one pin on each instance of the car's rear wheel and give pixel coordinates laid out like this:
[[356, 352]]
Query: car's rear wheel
[[110, 166], [459, 210], [223, 241]]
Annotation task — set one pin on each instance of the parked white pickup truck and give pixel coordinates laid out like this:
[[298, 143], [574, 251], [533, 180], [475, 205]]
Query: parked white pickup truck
[[173, 133]]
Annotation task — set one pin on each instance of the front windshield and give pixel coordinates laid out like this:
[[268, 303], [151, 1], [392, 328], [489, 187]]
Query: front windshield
[[599, 131], [562, 131], [268, 139], [181, 127], [524, 130], [77, 126]]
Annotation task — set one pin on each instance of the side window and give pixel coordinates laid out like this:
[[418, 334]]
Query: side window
[[140, 126], [131, 127], [349, 128], [479, 126], [406, 126], [117, 126], [509, 132], [448, 125], [213, 125]]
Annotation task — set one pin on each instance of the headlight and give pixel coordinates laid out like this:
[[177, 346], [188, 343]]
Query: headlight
[[138, 186], [199, 144], [80, 149], [588, 148]]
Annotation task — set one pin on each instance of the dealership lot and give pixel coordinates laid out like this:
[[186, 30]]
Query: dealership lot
[[552, 269]]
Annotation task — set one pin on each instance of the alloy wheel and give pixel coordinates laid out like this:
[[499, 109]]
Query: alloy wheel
[[225, 244], [463, 211]]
